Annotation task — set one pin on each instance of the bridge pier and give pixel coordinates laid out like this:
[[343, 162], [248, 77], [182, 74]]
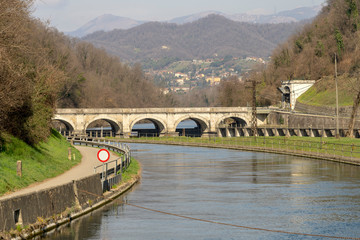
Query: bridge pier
[[211, 134], [227, 132], [276, 132], [237, 133], [266, 133], [169, 134]]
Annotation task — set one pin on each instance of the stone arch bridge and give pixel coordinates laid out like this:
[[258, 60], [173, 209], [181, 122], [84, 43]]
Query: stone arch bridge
[[166, 120]]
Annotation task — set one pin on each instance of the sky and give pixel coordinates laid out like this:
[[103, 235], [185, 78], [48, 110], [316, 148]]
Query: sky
[[69, 15]]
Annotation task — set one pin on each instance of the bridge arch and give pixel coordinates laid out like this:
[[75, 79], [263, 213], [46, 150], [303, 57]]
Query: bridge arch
[[240, 121], [69, 125], [115, 125], [200, 121], [228, 125], [160, 126]]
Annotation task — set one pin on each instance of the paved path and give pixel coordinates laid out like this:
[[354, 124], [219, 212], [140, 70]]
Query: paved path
[[84, 169]]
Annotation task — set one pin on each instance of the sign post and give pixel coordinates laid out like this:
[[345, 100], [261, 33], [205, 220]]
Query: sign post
[[103, 156]]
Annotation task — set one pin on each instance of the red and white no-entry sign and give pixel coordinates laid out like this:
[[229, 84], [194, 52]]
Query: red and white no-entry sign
[[103, 155]]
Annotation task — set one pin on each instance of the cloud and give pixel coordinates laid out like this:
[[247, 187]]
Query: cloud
[[51, 3]]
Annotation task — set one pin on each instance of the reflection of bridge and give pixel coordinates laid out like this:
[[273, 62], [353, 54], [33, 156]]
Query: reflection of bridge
[[166, 120]]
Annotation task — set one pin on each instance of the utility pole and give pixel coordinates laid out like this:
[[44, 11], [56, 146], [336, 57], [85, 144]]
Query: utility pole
[[253, 113], [337, 101], [253, 122]]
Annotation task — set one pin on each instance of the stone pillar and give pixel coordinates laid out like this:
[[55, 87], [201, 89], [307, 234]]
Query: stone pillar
[[237, 133], [169, 134], [126, 134], [209, 134], [298, 132], [323, 133], [276, 132], [333, 132], [218, 131], [227, 132], [246, 132], [286, 132], [266, 133]]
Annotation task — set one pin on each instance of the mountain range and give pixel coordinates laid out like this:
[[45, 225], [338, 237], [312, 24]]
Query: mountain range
[[207, 37], [110, 22]]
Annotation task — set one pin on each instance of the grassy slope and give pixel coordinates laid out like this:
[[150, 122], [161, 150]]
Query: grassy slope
[[132, 171], [44, 161], [323, 92]]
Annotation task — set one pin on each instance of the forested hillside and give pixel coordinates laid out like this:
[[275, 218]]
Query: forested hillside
[[41, 69], [311, 53], [197, 40]]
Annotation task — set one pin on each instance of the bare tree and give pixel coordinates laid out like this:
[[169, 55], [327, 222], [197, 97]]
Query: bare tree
[[350, 132]]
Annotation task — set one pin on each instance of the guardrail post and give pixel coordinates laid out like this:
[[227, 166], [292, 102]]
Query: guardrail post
[[19, 168], [69, 153]]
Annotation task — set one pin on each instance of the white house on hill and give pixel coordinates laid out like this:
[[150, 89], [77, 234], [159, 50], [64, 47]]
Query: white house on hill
[[291, 90]]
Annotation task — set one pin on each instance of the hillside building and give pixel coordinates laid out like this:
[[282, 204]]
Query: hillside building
[[291, 90]]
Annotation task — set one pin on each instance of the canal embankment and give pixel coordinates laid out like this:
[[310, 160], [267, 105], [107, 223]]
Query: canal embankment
[[43, 209], [347, 151]]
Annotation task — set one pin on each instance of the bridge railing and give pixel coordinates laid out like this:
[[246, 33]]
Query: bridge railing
[[111, 172]]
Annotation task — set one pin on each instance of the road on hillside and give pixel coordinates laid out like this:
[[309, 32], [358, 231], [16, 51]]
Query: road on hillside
[[85, 168]]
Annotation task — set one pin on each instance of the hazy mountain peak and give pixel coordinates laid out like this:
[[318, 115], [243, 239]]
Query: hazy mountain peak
[[193, 17], [108, 22]]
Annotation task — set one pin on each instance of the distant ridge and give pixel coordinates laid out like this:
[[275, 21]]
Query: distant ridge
[[211, 36], [110, 22], [106, 23]]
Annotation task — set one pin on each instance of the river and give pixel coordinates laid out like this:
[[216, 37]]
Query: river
[[232, 188]]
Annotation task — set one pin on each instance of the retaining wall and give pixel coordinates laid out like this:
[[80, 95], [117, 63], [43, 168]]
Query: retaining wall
[[50, 202], [294, 120], [324, 110]]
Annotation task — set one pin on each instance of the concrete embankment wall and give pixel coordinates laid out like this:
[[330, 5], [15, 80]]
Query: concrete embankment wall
[[47, 203], [324, 110], [294, 120]]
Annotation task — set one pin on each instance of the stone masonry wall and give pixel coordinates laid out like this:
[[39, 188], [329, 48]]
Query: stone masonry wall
[[324, 110], [49, 202]]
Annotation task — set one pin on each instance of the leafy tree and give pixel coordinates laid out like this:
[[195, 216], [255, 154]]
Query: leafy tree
[[339, 42]]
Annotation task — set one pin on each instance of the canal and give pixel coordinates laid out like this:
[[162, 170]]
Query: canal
[[229, 190]]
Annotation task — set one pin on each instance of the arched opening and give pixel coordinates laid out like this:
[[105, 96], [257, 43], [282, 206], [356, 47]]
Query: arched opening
[[231, 127], [147, 128], [287, 97], [63, 127], [189, 128], [102, 128]]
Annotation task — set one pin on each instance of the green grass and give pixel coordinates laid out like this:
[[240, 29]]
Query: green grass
[[132, 171], [323, 93], [46, 160], [346, 147]]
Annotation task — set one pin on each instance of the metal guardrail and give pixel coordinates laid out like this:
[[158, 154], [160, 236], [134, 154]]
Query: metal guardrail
[[113, 175]]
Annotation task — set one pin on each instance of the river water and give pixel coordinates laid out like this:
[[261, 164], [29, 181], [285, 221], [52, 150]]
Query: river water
[[257, 190]]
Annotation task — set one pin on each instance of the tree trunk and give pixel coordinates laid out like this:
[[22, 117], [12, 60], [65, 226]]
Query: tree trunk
[[350, 132]]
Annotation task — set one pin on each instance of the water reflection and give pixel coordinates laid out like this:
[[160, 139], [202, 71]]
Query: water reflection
[[249, 189]]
